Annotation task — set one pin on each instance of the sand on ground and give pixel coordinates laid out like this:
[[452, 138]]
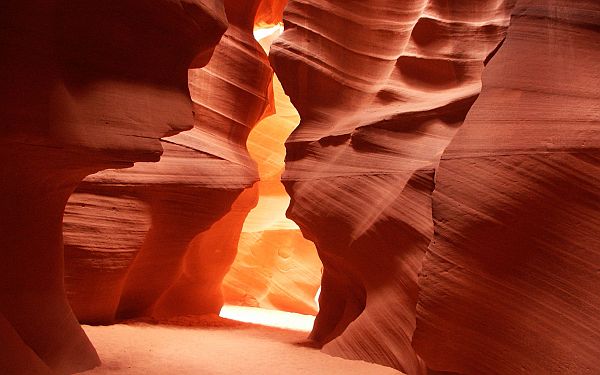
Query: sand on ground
[[214, 346]]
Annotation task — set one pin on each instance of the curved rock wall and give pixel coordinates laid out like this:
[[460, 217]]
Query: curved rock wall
[[381, 87], [510, 282], [78, 80], [200, 175]]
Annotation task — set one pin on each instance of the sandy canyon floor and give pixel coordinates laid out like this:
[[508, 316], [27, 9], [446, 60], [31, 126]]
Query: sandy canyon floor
[[218, 346]]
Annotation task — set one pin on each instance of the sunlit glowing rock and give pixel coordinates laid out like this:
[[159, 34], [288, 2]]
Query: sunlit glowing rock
[[269, 12], [276, 267], [266, 36]]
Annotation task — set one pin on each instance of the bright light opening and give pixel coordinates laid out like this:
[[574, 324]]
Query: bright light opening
[[266, 35], [271, 318]]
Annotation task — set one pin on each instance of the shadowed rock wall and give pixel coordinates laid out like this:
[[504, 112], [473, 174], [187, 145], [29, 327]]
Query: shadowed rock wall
[[381, 87], [153, 267], [510, 284], [78, 82]]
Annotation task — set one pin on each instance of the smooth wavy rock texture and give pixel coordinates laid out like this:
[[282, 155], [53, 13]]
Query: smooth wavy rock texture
[[275, 267], [85, 86], [200, 175], [510, 283], [381, 88], [112, 228]]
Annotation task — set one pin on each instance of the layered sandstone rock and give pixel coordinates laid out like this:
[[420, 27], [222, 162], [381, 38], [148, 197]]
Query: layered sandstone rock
[[158, 266], [510, 283], [276, 267], [381, 87], [85, 86], [102, 236]]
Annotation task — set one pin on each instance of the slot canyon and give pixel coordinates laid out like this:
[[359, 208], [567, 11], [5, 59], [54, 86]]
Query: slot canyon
[[300, 187]]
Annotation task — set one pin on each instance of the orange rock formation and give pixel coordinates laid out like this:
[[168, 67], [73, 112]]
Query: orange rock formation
[[200, 175], [180, 225], [276, 266], [454, 207]]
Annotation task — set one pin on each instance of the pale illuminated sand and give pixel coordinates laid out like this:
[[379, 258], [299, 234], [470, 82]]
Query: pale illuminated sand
[[270, 318], [216, 346]]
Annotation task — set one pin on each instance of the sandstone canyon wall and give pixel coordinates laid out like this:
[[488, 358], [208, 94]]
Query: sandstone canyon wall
[[154, 255], [381, 88], [454, 237], [183, 220], [510, 284], [85, 86]]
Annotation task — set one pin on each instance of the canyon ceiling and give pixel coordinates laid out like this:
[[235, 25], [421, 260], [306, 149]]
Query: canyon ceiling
[[444, 160]]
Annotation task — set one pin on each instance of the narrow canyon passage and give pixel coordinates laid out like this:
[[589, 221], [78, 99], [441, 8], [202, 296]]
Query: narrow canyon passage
[[272, 187], [270, 292], [275, 267]]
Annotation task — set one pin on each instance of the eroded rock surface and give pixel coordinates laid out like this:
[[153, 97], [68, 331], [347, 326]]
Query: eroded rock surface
[[85, 86], [381, 87], [510, 283], [156, 265]]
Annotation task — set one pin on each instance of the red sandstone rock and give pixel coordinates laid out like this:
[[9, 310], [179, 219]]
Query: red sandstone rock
[[102, 235], [198, 288], [85, 86], [200, 175], [21, 359], [381, 88], [510, 283]]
